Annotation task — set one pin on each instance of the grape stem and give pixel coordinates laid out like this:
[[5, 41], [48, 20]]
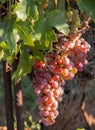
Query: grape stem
[[85, 26]]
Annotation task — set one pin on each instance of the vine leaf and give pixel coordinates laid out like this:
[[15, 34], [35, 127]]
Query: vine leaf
[[32, 9], [37, 54], [59, 21], [5, 51], [1, 53], [21, 10], [88, 6], [26, 8], [6, 34], [44, 33], [25, 32], [25, 64], [43, 27]]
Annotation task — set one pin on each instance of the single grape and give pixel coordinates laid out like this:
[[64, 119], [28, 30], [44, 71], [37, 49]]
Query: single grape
[[54, 84], [65, 72]]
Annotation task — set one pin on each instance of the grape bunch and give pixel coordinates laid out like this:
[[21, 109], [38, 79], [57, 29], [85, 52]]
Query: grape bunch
[[79, 54], [48, 88], [60, 64]]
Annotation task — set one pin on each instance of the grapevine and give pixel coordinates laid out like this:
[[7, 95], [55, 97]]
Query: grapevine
[[60, 64], [43, 39]]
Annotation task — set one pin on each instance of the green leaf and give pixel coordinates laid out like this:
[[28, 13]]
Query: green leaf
[[63, 28], [25, 32], [21, 10], [38, 54], [58, 20], [1, 53], [26, 8], [10, 38], [43, 32], [5, 51], [2, 31], [32, 9], [41, 46], [25, 64], [43, 27], [88, 6], [6, 34], [80, 129]]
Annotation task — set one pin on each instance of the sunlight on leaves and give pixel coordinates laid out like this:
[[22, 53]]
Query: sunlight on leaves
[[21, 10], [24, 30], [6, 30], [1, 53], [44, 33], [24, 66], [80, 129]]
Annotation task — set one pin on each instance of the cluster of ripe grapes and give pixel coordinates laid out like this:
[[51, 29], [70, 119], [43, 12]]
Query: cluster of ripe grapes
[[62, 63]]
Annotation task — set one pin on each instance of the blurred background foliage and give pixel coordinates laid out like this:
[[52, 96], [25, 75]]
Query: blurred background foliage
[[29, 99]]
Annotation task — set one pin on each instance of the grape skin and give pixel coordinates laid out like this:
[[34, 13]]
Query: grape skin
[[50, 76]]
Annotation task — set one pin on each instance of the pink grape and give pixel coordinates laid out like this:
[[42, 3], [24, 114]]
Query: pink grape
[[56, 113], [47, 108], [59, 99], [40, 87], [50, 94], [44, 98], [85, 62], [37, 91], [51, 114], [55, 77], [56, 93], [41, 107], [45, 90], [54, 84], [66, 60], [45, 121], [69, 45], [61, 90], [58, 69], [46, 113]]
